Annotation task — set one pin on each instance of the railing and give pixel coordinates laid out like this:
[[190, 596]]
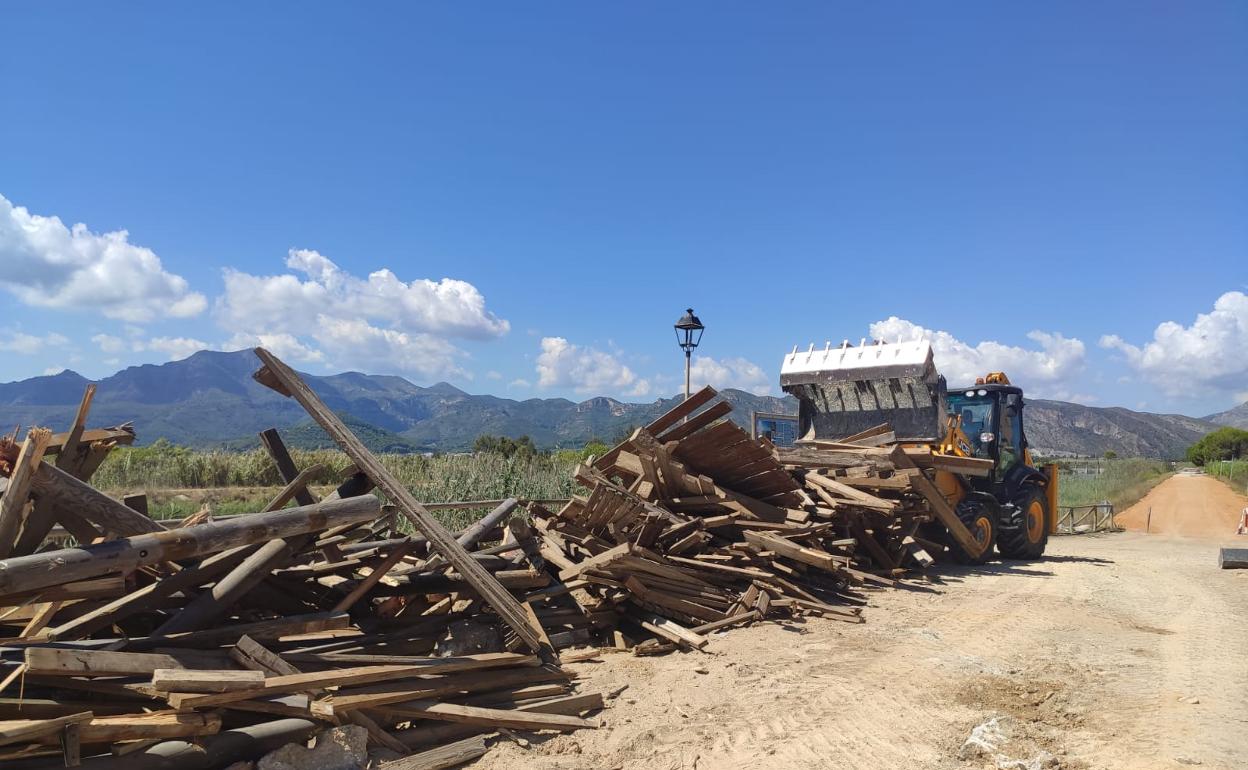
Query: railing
[[1081, 519]]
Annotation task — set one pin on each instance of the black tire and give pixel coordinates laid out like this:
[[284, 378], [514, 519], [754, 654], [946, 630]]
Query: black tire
[[1024, 530], [979, 515]]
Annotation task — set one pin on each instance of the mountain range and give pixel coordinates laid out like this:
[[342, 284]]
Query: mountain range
[[210, 400]]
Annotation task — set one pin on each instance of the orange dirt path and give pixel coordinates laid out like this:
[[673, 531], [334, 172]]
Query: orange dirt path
[[1188, 506]]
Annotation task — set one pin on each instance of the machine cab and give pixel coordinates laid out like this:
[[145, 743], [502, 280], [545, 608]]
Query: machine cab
[[991, 416]]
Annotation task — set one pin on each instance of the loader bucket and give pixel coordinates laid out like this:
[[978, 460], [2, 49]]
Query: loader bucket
[[846, 390]]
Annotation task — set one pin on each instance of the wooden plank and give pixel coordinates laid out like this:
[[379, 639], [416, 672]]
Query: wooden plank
[[787, 548], [273, 444], [354, 676], [441, 757], [201, 681], [939, 505], [668, 629], [138, 727], [69, 661], [694, 424], [68, 458], [850, 493], [24, 573], [681, 410], [17, 494], [491, 717], [400, 692], [374, 577], [276, 374]]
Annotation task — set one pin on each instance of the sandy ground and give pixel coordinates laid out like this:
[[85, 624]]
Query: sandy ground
[[1190, 506], [1116, 651]]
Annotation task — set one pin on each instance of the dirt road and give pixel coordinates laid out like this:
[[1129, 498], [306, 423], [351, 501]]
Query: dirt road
[[1118, 651], [1189, 506]]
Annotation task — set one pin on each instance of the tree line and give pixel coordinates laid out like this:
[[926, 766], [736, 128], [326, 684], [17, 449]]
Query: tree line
[[1223, 444]]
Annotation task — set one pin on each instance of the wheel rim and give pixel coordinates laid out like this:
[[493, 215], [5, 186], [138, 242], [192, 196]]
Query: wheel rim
[[982, 531], [1035, 521]]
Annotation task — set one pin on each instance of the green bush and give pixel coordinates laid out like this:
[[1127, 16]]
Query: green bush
[[1222, 444]]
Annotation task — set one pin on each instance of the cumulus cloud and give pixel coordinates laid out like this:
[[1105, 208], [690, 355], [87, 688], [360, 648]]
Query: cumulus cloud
[[1209, 356], [283, 345], [173, 348], [1044, 371], [47, 264], [331, 316], [584, 369], [107, 343], [29, 344], [730, 373]]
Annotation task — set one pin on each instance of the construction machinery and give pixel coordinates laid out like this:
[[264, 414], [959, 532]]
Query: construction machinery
[[850, 390]]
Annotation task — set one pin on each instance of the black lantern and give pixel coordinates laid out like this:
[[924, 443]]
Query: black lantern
[[688, 334], [689, 331]]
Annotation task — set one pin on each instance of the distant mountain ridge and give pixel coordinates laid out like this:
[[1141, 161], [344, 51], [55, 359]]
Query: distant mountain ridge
[[210, 400], [1235, 418]]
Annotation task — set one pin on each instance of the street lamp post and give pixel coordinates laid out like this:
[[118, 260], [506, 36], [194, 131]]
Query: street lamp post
[[688, 334]]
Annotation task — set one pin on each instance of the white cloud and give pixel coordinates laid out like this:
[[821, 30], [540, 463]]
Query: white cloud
[[1045, 372], [174, 348], [47, 264], [108, 343], [29, 344], [1210, 356], [376, 322], [53, 370], [283, 345], [519, 382], [493, 375], [729, 373], [585, 370]]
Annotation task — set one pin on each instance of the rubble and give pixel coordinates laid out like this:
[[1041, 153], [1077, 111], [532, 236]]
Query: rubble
[[147, 638]]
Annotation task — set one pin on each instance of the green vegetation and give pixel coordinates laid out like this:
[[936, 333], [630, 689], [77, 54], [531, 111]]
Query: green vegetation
[[1233, 472], [505, 446], [1120, 481], [176, 478], [1222, 444]]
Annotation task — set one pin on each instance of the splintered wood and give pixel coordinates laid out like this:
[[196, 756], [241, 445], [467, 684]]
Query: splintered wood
[[241, 634], [145, 638]]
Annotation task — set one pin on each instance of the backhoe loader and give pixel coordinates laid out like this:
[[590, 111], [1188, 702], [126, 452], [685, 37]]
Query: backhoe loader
[[846, 390]]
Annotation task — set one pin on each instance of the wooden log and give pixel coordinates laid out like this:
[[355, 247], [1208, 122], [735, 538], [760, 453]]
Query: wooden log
[[64, 491], [24, 573], [149, 596], [17, 493], [210, 681], [282, 378]]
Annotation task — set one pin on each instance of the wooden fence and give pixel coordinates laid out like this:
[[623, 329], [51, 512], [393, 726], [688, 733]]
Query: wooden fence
[[1081, 519]]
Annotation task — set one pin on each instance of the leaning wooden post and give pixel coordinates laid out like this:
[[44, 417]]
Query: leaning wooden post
[[281, 378]]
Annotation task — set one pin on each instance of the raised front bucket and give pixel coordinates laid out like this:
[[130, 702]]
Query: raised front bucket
[[846, 390]]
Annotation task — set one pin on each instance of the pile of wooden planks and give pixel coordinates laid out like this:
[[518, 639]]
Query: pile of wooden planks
[[212, 642], [691, 526]]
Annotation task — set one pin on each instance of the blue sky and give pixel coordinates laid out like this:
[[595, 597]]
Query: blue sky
[[538, 191]]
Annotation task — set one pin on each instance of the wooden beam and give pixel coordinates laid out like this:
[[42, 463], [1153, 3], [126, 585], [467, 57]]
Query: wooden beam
[[68, 458], [491, 717], [209, 681], [24, 573], [342, 677], [70, 661], [937, 502], [282, 378], [64, 491], [364, 586], [17, 493], [441, 757]]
